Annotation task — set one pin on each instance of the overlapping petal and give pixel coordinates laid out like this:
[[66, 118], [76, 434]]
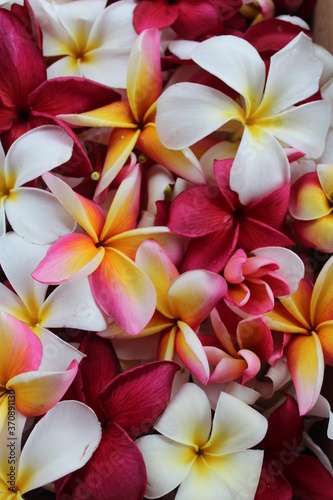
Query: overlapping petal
[[191, 352]]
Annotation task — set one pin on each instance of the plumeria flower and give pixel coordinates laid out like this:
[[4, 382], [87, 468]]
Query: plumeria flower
[[133, 121], [310, 205], [21, 355], [205, 460], [106, 252], [267, 117], [240, 347], [307, 321], [29, 100], [183, 303], [30, 156], [89, 39], [255, 280], [70, 305], [127, 404], [218, 223], [56, 446]]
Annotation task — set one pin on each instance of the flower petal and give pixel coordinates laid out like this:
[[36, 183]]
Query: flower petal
[[123, 291], [191, 352], [57, 353], [57, 445], [325, 335], [321, 300]]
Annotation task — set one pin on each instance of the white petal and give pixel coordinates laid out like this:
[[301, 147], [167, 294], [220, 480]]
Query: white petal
[[66, 66], [12, 304], [259, 156], [79, 17], [220, 151], [174, 422], [182, 48], [167, 463], [44, 220], [303, 127], [19, 259], [2, 217], [57, 354], [237, 63], [58, 445], [188, 112], [36, 152], [291, 267], [236, 426], [72, 305], [293, 75], [115, 62]]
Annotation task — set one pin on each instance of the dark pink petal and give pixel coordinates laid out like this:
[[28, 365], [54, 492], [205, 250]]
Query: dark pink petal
[[261, 298], [253, 334], [222, 176], [22, 67], [70, 95], [199, 211], [272, 484], [135, 398], [196, 20], [211, 252], [270, 209], [254, 234], [277, 284], [309, 478], [116, 470], [150, 14]]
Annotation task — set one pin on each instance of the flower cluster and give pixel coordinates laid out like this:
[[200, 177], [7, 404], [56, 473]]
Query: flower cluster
[[166, 241]]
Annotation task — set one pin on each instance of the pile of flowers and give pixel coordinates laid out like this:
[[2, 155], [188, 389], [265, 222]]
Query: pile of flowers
[[166, 296]]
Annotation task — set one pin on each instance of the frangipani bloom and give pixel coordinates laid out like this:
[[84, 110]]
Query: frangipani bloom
[[218, 223], [265, 115], [127, 405], [311, 201], [255, 280], [56, 446], [88, 39], [133, 121], [20, 358], [239, 348], [34, 213], [207, 460], [106, 252], [70, 305], [306, 318]]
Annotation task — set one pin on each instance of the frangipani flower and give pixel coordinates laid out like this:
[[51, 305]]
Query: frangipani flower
[[133, 121], [56, 446], [239, 348], [267, 117], [88, 39], [29, 100], [207, 461], [20, 358], [255, 280], [306, 318], [127, 404], [218, 223], [106, 252], [70, 305], [310, 204], [30, 156]]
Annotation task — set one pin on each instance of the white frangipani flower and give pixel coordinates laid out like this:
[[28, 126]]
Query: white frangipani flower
[[89, 39], [267, 117], [207, 461]]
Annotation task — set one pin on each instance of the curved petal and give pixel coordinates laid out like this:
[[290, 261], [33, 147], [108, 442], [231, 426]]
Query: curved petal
[[253, 365], [321, 300], [180, 105], [325, 178], [71, 257], [306, 365], [123, 291], [37, 392], [88, 214], [226, 369], [192, 295], [191, 352], [36, 152], [307, 198], [57, 353], [258, 150], [293, 76], [45, 219], [160, 455], [116, 114], [175, 424], [152, 259], [57, 445], [236, 62], [325, 335], [253, 334]]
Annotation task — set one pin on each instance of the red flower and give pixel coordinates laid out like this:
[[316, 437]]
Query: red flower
[[218, 223], [127, 405]]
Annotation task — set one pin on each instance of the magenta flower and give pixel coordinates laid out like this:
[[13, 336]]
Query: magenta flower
[[28, 99], [127, 405], [219, 223], [190, 19]]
